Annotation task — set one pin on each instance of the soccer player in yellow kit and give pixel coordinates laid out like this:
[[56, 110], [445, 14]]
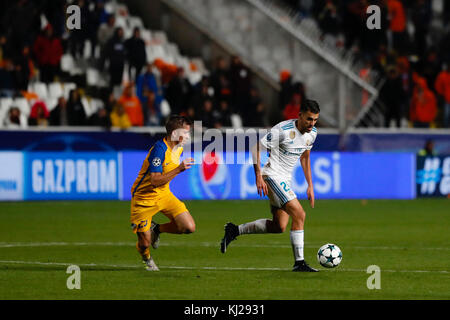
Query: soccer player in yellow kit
[[151, 193]]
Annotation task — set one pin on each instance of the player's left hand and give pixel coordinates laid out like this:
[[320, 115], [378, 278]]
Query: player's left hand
[[310, 194]]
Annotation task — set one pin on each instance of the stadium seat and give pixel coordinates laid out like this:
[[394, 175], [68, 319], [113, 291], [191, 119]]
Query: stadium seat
[[126, 75], [184, 63], [128, 32], [87, 106], [199, 64], [5, 105], [67, 63], [40, 89], [437, 6], [165, 108], [173, 51], [158, 52], [117, 92], [23, 105], [109, 7], [96, 104], [92, 77], [236, 121], [160, 37], [67, 88], [121, 22], [55, 90], [121, 10], [43, 21], [194, 77], [146, 36], [51, 103], [134, 22]]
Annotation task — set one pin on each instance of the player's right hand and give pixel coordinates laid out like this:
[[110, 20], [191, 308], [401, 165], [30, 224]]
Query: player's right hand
[[186, 164], [261, 186]]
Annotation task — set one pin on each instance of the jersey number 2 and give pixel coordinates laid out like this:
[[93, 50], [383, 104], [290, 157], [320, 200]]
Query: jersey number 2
[[285, 187]]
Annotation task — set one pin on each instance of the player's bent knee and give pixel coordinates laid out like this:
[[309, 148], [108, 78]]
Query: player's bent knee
[[190, 228], [143, 245], [279, 228], [299, 214], [282, 229]]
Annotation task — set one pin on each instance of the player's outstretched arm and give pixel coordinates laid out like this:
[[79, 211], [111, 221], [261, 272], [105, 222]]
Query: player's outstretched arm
[[260, 183], [306, 165], [158, 179]]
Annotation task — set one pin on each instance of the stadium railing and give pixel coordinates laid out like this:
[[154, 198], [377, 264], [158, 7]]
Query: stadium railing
[[269, 38]]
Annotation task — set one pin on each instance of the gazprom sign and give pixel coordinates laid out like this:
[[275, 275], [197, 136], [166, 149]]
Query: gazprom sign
[[77, 175]]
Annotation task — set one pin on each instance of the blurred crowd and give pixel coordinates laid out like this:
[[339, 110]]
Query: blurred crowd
[[411, 52], [34, 38]]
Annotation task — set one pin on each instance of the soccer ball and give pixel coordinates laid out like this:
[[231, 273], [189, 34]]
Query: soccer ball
[[329, 255]]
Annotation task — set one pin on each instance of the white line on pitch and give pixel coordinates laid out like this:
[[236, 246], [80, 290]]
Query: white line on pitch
[[202, 268], [200, 244]]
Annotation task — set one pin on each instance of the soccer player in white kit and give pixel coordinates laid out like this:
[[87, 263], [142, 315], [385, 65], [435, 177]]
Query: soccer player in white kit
[[287, 142]]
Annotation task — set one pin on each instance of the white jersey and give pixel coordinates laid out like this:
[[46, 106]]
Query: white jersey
[[286, 144]]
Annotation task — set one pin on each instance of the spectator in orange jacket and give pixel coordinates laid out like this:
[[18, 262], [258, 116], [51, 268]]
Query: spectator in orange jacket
[[132, 106], [48, 51], [442, 86], [397, 26], [423, 105]]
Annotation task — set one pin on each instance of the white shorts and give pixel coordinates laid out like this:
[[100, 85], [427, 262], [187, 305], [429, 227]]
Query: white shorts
[[280, 191]]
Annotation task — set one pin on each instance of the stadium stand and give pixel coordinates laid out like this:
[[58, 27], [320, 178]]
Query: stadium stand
[[95, 64], [410, 50], [43, 61]]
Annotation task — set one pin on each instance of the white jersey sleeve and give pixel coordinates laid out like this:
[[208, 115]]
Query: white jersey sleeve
[[273, 138], [313, 135]]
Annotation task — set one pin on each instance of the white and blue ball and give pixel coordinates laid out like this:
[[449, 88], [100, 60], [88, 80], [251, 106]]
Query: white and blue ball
[[329, 255]]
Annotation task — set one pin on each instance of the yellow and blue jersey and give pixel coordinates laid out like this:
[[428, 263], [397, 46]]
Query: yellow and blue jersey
[[161, 158]]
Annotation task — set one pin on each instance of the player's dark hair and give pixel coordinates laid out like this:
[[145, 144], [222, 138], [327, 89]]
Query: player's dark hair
[[311, 106], [176, 122]]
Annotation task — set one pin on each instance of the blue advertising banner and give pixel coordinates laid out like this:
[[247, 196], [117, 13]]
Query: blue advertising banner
[[11, 176], [433, 176], [73, 141], [71, 176], [335, 176], [54, 140]]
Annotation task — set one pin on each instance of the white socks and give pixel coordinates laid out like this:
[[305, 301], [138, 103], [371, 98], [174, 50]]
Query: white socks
[[258, 226], [297, 244]]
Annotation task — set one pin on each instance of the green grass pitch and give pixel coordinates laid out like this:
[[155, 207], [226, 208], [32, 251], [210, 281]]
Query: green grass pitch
[[408, 240]]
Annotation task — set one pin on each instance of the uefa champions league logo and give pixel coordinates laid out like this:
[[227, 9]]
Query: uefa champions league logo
[[156, 162]]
